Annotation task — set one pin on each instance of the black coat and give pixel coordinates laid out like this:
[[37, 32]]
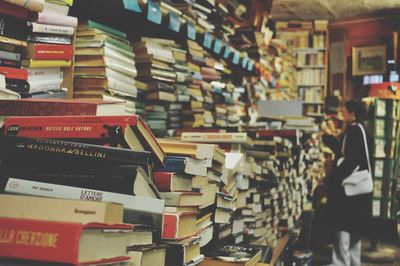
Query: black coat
[[346, 213]]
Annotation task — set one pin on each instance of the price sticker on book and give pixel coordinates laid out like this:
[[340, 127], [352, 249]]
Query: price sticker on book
[[250, 65], [207, 40], [244, 62], [132, 5], [227, 51], [236, 57], [191, 31], [154, 12], [174, 22], [217, 46]]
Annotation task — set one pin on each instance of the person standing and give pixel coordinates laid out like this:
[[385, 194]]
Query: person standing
[[349, 215]]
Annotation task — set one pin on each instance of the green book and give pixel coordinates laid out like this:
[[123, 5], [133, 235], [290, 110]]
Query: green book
[[90, 24]]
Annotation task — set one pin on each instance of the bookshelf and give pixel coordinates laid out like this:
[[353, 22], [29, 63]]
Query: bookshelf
[[309, 43]]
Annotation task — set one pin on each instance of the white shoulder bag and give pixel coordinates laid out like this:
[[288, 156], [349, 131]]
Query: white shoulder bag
[[359, 182]]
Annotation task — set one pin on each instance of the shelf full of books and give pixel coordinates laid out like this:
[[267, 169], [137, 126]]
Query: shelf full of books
[[384, 127], [308, 40]]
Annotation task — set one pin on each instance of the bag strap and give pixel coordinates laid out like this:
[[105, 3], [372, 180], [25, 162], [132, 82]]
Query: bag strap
[[365, 145]]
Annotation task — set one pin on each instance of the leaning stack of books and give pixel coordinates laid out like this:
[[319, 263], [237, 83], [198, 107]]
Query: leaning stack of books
[[155, 64], [12, 43], [104, 61], [50, 49]]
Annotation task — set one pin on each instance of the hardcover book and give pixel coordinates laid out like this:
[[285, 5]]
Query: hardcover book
[[62, 242]]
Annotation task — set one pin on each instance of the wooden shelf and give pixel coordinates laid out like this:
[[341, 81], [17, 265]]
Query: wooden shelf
[[316, 103], [280, 246]]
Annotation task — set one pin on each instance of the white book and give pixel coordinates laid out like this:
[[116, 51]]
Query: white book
[[138, 209], [121, 86], [49, 7], [112, 53], [44, 84], [44, 73], [52, 29], [121, 66]]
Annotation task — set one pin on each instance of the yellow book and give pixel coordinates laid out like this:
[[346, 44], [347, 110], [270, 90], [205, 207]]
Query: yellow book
[[12, 41], [32, 63]]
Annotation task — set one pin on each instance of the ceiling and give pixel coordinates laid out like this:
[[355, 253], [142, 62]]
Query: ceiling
[[329, 9]]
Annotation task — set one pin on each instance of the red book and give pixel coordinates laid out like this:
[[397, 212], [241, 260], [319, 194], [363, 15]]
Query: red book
[[166, 182], [179, 225], [13, 10], [40, 51], [266, 133], [132, 129], [54, 107], [14, 73], [60, 242]]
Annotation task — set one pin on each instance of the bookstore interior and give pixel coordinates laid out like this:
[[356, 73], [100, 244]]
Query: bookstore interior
[[197, 132]]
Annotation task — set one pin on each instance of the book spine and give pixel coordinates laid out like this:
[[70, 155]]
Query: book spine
[[13, 27], [17, 85], [40, 240], [55, 9], [52, 29], [32, 63], [49, 39], [163, 181], [51, 52], [44, 73], [13, 10], [10, 56], [19, 146], [45, 85], [33, 5], [14, 73], [56, 19], [171, 224], [10, 63]]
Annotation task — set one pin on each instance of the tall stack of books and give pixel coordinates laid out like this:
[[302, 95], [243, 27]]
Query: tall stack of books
[[50, 50], [155, 64], [104, 61], [12, 43], [194, 113]]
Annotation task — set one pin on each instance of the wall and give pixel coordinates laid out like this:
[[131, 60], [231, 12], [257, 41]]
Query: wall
[[357, 32]]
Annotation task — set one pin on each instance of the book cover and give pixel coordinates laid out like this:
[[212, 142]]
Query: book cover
[[78, 211], [56, 19], [129, 131], [60, 241], [179, 226], [14, 10], [137, 209], [51, 29], [33, 5], [49, 51], [33, 63], [14, 73]]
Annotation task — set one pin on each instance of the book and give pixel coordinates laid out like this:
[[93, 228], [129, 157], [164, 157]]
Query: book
[[34, 63], [57, 107], [90, 24], [194, 150], [49, 51], [14, 73], [240, 138], [184, 165], [49, 38], [51, 29], [232, 255], [179, 226], [13, 27], [62, 242], [54, 19], [14, 10], [33, 5], [184, 252], [182, 198], [39, 208], [147, 255], [53, 8], [12, 41], [128, 131], [167, 182], [137, 209]]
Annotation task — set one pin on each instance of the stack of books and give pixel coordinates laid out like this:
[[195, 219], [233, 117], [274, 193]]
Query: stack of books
[[155, 64], [50, 50], [194, 113], [104, 62]]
